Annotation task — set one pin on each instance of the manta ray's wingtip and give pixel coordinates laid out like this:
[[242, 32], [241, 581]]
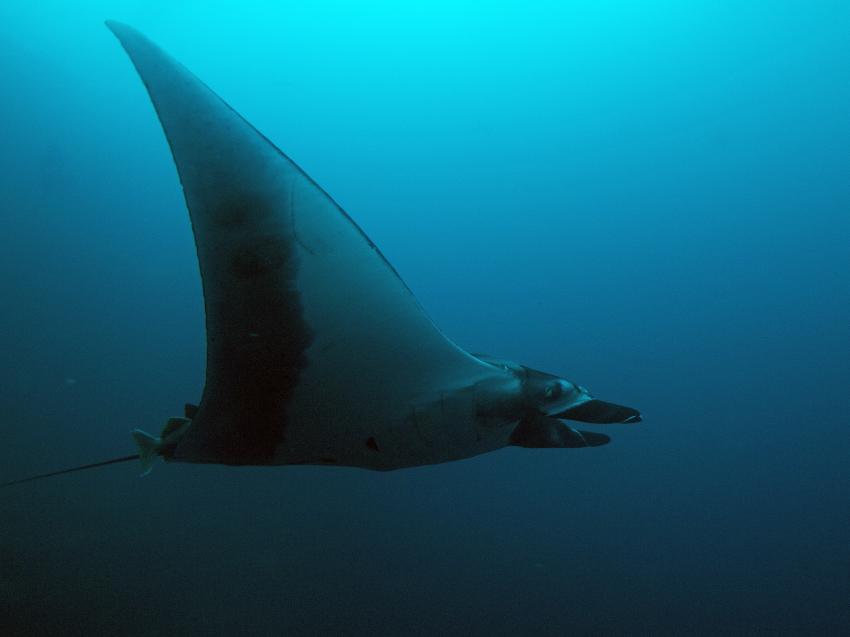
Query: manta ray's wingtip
[[121, 30], [114, 25]]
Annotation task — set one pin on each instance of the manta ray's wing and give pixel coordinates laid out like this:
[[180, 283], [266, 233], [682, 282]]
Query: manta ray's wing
[[305, 319]]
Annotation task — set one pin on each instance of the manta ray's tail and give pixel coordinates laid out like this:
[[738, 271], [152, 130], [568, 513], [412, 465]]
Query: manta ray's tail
[[149, 448], [71, 470]]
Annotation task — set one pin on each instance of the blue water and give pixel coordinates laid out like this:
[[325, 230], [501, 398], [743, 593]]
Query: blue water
[[650, 198]]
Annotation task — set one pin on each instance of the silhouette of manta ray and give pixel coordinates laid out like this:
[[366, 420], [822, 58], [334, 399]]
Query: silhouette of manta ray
[[317, 352]]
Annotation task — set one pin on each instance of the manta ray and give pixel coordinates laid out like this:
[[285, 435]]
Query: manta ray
[[317, 352]]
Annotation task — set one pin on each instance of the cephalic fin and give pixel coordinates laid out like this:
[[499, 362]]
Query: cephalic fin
[[601, 413], [541, 431]]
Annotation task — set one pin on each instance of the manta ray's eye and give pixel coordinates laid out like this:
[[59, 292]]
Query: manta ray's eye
[[554, 390]]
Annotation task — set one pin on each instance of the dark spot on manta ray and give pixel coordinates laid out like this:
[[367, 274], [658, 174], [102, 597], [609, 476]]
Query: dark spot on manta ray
[[372, 444], [259, 258], [257, 336], [240, 209], [328, 460]]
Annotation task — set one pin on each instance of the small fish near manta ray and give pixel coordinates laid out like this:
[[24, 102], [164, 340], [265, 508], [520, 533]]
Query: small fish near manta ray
[[317, 352]]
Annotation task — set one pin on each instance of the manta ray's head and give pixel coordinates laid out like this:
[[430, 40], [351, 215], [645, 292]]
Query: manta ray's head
[[553, 396], [549, 395]]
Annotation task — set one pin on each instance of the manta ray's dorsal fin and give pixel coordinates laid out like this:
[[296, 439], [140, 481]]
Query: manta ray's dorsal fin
[[295, 294]]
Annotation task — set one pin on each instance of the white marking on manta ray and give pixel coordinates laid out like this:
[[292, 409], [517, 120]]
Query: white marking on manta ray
[[317, 352]]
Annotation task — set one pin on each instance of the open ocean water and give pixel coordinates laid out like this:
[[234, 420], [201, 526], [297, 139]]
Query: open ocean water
[[650, 198]]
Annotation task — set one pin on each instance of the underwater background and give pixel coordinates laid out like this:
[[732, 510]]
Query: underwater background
[[649, 198]]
